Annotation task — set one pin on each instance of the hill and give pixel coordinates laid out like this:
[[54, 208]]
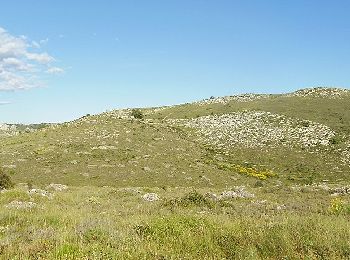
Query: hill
[[252, 176], [300, 137]]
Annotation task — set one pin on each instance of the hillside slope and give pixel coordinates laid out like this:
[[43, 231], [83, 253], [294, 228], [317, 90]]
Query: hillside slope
[[297, 137]]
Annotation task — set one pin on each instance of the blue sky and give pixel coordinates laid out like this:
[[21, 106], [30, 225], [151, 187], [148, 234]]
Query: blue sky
[[91, 56]]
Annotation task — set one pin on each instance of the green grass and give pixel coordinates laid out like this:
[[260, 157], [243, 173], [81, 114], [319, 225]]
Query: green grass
[[141, 156], [105, 223]]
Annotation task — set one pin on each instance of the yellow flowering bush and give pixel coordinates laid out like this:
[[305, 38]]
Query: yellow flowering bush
[[337, 206], [250, 171]]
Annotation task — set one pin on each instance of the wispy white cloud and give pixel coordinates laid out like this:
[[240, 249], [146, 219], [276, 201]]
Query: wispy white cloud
[[44, 41], [20, 66], [43, 58], [2, 103], [55, 70], [15, 63]]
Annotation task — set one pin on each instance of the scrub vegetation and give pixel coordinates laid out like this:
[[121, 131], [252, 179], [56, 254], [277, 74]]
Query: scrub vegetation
[[242, 177]]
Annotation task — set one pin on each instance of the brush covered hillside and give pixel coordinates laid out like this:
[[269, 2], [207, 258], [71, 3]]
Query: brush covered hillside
[[302, 137], [252, 176]]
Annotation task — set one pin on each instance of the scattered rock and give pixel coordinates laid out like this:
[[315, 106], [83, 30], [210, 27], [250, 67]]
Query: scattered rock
[[21, 205], [40, 192], [57, 187], [340, 191], [74, 162], [150, 197], [257, 129], [10, 166], [259, 202], [104, 147], [236, 98], [321, 92], [281, 207], [238, 192]]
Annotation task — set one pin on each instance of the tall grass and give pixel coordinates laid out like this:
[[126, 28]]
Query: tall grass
[[108, 223]]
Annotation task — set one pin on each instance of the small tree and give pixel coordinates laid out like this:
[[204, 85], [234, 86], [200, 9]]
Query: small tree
[[5, 181], [136, 113]]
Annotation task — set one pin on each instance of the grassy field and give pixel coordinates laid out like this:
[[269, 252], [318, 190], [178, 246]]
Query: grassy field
[[116, 223], [243, 177]]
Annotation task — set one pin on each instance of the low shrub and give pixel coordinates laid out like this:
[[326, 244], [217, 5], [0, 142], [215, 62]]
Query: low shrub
[[5, 180], [137, 113], [193, 198]]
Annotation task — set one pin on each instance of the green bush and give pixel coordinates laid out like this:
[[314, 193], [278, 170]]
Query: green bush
[[305, 123], [5, 180], [191, 199], [335, 140], [136, 113]]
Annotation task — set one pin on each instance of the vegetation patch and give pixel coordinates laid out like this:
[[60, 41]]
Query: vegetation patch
[[245, 170], [192, 199], [288, 237], [137, 113], [5, 180]]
